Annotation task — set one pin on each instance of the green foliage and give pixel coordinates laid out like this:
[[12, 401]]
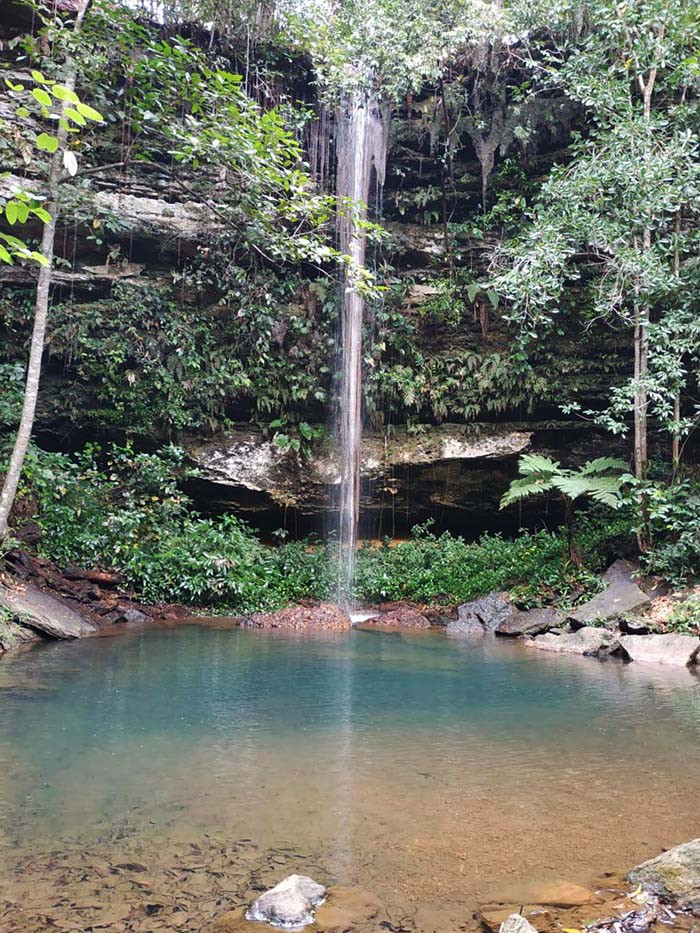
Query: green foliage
[[685, 617], [446, 569], [674, 522], [37, 102], [124, 510], [600, 480]]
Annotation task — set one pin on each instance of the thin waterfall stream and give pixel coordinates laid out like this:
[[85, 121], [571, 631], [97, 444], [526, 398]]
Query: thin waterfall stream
[[361, 144]]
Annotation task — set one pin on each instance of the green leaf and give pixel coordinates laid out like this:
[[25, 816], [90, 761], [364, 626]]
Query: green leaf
[[41, 96], [61, 92], [11, 212], [603, 465], [536, 463], [42, 260], [38, 77], [89, 112], [42, 214], [4, 255], [75, 116], [46, 142]]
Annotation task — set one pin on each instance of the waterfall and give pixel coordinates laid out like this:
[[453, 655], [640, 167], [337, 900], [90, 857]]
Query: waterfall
[[361, 147]]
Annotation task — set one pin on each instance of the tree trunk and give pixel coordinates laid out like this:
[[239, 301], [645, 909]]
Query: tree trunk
[[36, 352]]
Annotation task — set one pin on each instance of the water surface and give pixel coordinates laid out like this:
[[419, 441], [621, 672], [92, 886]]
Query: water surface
[[432, 772]]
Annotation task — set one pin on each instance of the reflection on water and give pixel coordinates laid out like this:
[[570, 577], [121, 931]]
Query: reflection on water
[[428, 771]]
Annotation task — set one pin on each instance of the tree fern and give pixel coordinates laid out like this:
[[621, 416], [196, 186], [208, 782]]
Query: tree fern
[[601, 480]]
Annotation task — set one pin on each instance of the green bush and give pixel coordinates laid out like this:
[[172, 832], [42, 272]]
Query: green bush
[[674, 519], [445, 569]]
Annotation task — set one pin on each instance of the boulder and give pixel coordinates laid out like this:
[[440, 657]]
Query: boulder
[[620, 597], [465, 627], [325, 616], [530, 623], [674, 875], [134, 615], [290, 904], [588, 641], [43, 613], [516, 923], [482, 616], [678, 650], [401, 617]]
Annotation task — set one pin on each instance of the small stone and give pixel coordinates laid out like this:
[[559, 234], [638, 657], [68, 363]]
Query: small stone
[[134, 615], [517, 924], [290, 904]]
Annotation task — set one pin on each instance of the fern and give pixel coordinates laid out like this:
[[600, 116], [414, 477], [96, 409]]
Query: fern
[[601, 480]]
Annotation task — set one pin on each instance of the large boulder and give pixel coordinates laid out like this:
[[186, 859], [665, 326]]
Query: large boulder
[[482, 616], [34, 609], [590, 641], [516, 923], [290, 904], [620, 597], [674, 875], [528, 624], [325, 616], [399, 617], [678, 650]]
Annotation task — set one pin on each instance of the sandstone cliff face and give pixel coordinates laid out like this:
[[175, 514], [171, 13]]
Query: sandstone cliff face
[[154, 224]]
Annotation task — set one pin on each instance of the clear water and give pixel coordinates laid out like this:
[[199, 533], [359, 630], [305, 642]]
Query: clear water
[[430, 771]]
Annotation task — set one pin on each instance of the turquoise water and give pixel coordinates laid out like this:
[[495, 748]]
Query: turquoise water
[[414, 764]]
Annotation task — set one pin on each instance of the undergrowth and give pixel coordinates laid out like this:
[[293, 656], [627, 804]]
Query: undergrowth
[[124, 510]]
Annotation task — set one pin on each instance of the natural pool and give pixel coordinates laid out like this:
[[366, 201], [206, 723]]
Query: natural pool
[[199, 761]]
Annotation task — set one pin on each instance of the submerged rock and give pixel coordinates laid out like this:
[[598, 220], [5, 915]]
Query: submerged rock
[[587, 641], [562, 894], [530, 623], [325, 616], [290, 904], [678, 650], [675, 875], [516, 923], [620, 596], [482, 616]]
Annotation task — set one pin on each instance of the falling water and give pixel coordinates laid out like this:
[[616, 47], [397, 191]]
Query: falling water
[[361, 145]]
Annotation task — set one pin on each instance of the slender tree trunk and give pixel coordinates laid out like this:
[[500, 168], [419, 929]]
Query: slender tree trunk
[[41, 310], [676, 440]]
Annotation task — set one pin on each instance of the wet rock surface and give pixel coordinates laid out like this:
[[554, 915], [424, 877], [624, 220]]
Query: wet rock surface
[[620, 596], [290, 904], [672, 649], [323, 617], [589, 641], [674, 875]]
